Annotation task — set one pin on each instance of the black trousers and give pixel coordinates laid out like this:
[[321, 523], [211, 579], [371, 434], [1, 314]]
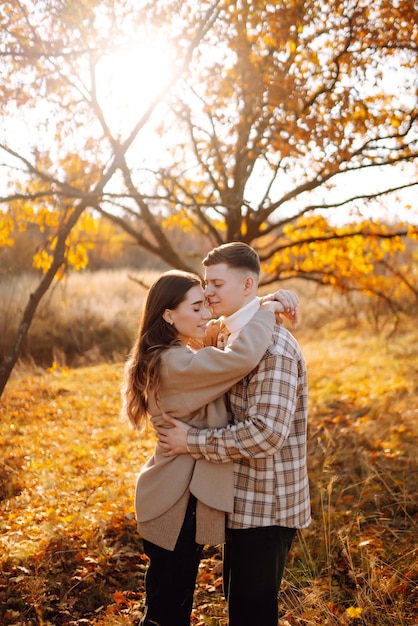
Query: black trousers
[[171, 576], [254, 561]]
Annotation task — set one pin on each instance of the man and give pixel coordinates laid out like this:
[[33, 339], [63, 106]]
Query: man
[[266, 442]]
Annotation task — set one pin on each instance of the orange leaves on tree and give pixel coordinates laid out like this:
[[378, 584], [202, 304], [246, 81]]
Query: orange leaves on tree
[[42, 260], [6, 229], [347, 257], [48, 212], [80, 240], [179, 219]]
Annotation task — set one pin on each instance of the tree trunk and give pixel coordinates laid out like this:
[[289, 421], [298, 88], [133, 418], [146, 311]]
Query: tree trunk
[[59, 257]]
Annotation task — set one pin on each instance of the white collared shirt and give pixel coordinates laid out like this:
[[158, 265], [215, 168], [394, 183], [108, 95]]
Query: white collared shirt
[[237, 320]]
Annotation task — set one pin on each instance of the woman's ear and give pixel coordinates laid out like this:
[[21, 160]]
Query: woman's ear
[[167, 317]]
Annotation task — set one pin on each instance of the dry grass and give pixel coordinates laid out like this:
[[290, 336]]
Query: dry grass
[[360, 556], [86, 318], [91, 317]]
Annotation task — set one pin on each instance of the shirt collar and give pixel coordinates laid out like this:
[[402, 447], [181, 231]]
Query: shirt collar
[[237, 320]]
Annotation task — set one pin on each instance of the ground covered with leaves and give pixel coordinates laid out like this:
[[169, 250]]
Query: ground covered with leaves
[[69, 550]]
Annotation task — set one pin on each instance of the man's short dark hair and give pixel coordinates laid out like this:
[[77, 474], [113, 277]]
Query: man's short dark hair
[[235, 254]]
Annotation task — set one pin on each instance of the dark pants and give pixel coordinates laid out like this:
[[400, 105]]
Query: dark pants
[[254, 561], [171, 576]]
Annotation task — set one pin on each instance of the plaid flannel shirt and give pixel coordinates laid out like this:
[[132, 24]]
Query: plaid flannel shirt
[[266, 441]]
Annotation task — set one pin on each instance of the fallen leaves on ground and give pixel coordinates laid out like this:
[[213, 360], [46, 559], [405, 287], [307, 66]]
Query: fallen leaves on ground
[[70, 551]]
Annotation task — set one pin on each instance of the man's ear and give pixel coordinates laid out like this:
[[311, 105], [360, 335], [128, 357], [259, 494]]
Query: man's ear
[[249, 284]]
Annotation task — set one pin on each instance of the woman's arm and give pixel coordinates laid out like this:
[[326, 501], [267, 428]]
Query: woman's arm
[[290, 303], [195, 369], [203, 376]]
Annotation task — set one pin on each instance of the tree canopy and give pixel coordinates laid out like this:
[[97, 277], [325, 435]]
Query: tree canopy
[[290, 125]]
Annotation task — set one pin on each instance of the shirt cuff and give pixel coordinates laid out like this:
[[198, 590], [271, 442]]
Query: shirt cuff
[[193, 443]]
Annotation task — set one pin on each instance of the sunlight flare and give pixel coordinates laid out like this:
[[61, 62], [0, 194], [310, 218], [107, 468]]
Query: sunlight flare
[[129, 78]]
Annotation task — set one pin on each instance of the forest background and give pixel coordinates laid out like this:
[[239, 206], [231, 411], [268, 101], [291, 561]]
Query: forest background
[[134, 137]]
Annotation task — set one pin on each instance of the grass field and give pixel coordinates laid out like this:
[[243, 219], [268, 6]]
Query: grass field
[[69, 550]]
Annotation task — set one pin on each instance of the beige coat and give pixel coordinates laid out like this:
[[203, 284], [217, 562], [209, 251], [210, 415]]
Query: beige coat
[[192, 388]]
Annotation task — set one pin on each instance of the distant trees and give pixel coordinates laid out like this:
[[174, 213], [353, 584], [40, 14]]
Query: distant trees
[[288, 125]]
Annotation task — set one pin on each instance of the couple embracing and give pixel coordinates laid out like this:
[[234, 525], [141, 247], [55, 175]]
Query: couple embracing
[[228, 399]]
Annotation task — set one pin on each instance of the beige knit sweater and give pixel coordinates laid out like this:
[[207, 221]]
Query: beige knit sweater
[[192, 388]]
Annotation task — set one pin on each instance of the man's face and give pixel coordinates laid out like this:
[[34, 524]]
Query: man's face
[[226, 289]]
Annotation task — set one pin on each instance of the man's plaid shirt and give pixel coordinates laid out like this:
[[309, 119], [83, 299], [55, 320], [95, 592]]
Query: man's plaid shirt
[[266, 441]]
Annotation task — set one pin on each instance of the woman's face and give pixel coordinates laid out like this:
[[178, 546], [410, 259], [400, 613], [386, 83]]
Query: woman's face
[[191, 315]]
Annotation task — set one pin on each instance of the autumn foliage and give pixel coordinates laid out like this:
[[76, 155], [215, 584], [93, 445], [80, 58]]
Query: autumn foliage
[[263, 121], [284, 125]]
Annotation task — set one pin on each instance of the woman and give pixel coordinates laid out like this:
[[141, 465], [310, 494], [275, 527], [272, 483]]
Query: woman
[[181, 503]]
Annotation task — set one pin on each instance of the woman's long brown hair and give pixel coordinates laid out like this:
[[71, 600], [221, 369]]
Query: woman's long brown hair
[[155, 335]]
